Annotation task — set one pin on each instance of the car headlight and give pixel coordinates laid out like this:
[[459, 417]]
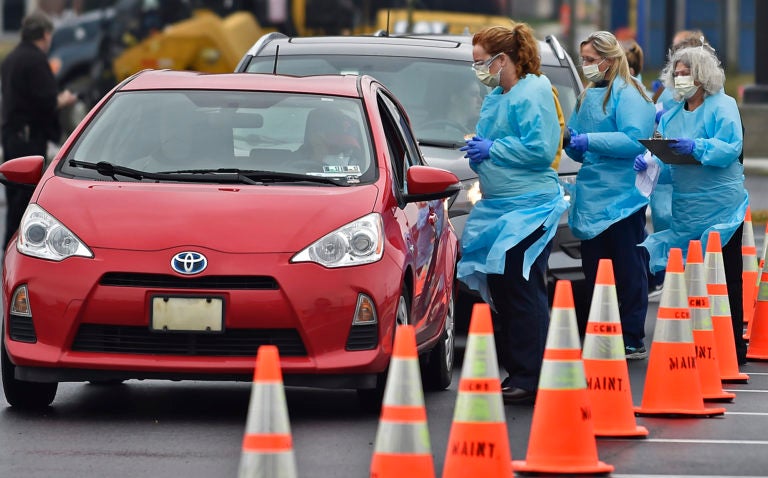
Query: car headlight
[[467, 197], [43, 236], [359, 242]]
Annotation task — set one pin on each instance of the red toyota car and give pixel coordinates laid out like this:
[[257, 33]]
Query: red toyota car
[[191, 218]]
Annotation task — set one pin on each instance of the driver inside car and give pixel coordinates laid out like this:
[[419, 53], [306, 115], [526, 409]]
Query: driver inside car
[[329, 140]]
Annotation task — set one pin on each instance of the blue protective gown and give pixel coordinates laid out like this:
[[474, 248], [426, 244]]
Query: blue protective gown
[[661, 198], [706, 197], [520, 190], [605, 192], [666, 99]]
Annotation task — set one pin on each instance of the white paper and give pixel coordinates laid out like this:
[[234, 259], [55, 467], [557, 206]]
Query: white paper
[[646, 180]]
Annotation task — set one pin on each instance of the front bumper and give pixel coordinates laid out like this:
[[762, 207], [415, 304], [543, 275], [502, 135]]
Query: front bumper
[[91, 318]]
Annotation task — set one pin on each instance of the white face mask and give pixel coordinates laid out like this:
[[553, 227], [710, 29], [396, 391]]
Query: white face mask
[[592, 72], [489, 79], [685, 87]]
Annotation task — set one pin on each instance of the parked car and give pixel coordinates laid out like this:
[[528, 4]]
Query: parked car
[[431, 76], [192, 218]]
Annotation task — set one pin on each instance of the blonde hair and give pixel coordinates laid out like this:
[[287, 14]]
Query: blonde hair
[[606, 45], [634, 54]]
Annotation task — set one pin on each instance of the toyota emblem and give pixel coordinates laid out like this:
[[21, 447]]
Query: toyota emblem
[[189, 263]]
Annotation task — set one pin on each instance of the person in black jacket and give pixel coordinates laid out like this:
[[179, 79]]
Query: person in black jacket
[[30, 106]]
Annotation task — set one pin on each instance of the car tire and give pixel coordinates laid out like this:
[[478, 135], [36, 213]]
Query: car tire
[[437, 371], [370, 399], [22, 394]]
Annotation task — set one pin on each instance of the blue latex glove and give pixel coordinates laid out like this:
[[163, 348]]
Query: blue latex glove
[[640, 163], [579, 143], [655, 85], [477, 149], [682, 146], [658, 115]]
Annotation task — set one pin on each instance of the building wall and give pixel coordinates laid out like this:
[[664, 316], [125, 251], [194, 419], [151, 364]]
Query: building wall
[[710, 16]]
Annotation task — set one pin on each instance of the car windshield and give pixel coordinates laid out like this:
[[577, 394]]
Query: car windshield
[[442, 96], [259, 134]]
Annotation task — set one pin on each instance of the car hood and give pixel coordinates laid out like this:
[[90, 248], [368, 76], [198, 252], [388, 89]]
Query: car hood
[[448, 158], [454, 161], [231, 218]]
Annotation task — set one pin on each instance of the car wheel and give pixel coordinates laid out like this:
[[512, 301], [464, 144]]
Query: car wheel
[[438, 370], [370, 398], [21, 394]]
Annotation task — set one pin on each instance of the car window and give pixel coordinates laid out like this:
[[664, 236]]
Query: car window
[[442, 97], [167, 131], [563, 79]]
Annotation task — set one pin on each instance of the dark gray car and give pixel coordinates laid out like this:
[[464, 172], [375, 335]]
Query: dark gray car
[[428, 73]]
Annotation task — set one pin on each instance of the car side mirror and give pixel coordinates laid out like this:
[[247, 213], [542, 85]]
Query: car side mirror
[[426, 183], [23, 170]]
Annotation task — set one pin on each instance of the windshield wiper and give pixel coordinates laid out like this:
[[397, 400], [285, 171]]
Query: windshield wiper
[[108, 169], [220, 175], [441, 143]]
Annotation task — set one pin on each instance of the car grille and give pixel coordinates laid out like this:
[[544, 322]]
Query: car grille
[[21, 329], [124, 279], [140, 340]]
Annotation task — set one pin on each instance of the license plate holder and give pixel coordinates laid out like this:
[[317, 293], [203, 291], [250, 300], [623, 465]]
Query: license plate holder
[[201, 314]]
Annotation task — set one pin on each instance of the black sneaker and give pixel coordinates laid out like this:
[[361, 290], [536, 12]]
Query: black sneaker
[[655, 291], [506, 384], [635, 353]]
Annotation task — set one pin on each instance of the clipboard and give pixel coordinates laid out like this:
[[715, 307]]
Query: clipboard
[[660, 148]]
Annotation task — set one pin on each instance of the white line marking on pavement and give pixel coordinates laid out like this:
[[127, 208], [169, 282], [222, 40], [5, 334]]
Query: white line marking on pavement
[[756, 414], [744, 390], [696, 440]]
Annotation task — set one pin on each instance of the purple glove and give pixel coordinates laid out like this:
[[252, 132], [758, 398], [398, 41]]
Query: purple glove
[[477, 149], [658, 115], [682, 146], [640, 163], [579, 143]]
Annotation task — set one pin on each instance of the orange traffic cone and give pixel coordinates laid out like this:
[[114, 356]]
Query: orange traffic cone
[[750, 271], [605, 364], [478, 444], [402, 447], [720, 310], [562, 439], [703, 333], [672, 384], [748, 333], [267, 444], [758, 343]]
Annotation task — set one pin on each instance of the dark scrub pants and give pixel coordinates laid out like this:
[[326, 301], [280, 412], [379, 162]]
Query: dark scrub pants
[[630, 265], [734, 265], [521, 318]]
